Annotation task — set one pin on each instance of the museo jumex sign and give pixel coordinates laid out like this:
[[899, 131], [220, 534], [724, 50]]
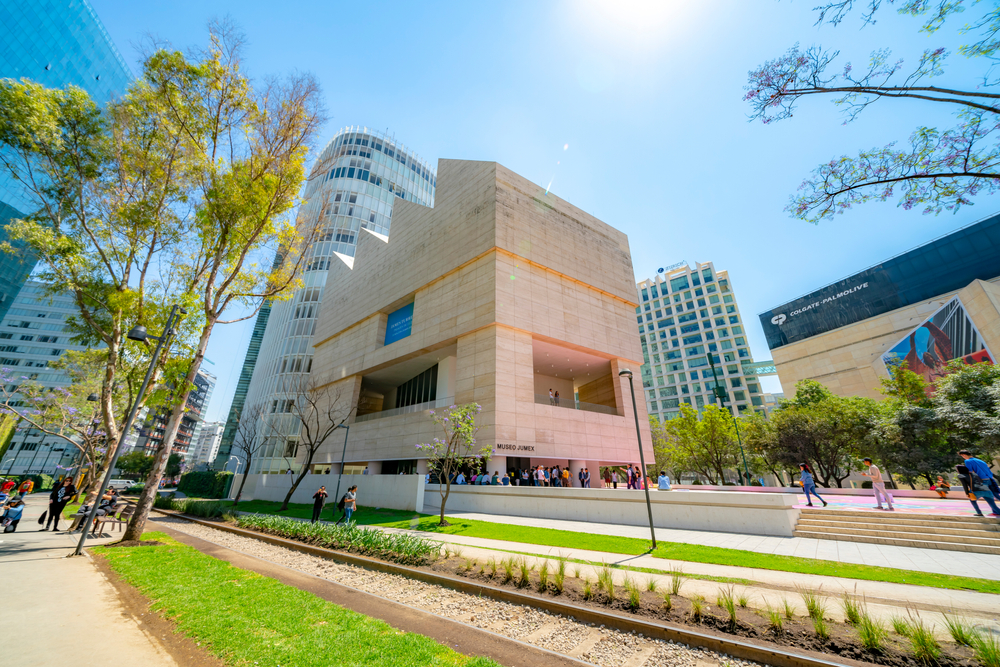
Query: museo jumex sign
[[944, 265]]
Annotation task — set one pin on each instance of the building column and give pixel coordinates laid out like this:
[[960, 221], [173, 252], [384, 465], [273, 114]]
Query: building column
[[422, 468], [334, 468], [498, 464], [595, 472], [374, 467]]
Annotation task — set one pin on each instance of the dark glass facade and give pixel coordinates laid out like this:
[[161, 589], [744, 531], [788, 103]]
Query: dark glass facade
[[56, 43], [944, 265]]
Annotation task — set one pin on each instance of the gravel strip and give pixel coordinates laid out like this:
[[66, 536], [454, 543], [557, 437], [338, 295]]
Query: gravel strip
[[503, 618]]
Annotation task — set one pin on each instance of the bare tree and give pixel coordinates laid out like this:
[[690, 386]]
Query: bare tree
[[319, 411], [245, 441]]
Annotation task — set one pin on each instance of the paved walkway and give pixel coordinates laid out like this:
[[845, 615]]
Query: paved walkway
[[953, 506], [63, 611], [961, 563]]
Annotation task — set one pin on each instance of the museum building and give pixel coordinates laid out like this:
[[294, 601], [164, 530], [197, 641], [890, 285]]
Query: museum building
[[500, 294], [927, 306]]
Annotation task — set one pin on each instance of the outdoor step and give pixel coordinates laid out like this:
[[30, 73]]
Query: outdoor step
[[872, 516], [914, 541], [984, 539], [900, 523]]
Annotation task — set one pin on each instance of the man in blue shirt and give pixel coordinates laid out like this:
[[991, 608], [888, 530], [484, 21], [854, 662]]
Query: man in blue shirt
[[663, 482], [981, 469]]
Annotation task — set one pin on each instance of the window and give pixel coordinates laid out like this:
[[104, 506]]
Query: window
[[698, 362], [720, 321], [684, 389], [732, 369], [703, 312], [673, 354], [716, 310], [737, 330], [678, 366], [709, 335], [744, 353], [6, 336], [668, 391], [729, 356], [727, 298], [730, 310], [706, 274], [27, 338], [714, 298], [753, 388], [711, 289], [687, 317], [734, 319], [723, 333], [740, 341], [692, 351], [736, 382], [739, 395], [691, 340], [701, 302], [679, 283], [726, 344]]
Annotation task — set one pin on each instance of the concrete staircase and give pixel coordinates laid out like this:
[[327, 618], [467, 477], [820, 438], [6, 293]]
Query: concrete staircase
[[924, 531]]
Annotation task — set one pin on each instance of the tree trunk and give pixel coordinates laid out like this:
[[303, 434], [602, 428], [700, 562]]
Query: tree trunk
[[295, 484], [242, 482], [444, 499], [145, 502]]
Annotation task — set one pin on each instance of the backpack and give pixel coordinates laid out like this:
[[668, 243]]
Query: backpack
[[343, 501]]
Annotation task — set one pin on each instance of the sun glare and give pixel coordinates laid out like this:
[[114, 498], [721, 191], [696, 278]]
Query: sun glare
[[637, 23]]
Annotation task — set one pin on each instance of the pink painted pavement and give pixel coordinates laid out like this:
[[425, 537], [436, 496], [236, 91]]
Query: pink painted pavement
[[954, 505]]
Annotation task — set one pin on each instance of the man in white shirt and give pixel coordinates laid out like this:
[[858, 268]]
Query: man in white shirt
[[877, 484]]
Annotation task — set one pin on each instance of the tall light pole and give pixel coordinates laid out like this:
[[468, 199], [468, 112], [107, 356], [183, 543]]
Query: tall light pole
[[343, 455], [722, 395], [642, 459], [137, 333]]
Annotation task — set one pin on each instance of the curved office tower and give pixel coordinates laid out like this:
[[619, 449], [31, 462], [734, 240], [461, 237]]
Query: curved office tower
[[350, 191]]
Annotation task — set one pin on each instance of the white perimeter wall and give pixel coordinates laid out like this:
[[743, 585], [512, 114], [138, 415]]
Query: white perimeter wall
[[727, 512], [398, 492]]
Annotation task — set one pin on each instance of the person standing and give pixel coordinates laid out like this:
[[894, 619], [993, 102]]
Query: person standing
[[586, 478], [607, 476], [878, 485], [319, 499], [628, 476], [808, 485], [7, 485], [552, 398], [976, 489], [614, 478], [557, 397], [348, 504], [26, 487], [548, 477], [60, 496], [565, 477], [981, 469]]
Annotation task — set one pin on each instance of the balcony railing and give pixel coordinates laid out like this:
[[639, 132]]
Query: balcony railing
[[573, 404], [418, 407]]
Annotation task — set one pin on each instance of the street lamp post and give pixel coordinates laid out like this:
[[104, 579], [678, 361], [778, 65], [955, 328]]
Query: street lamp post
[[642, 459], [343, 455], [723, 395], [137, 333]]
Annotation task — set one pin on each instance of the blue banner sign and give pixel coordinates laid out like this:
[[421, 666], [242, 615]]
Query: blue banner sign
[[399, 324]]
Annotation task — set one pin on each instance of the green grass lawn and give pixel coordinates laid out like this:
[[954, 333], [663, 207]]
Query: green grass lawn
[[694, 553], [247, 619]]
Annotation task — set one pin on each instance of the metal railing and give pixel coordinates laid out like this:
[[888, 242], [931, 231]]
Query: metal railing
[[573, 404], [409, 409]]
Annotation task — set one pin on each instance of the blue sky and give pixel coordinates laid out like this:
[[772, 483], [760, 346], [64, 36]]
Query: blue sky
[[647, 94]]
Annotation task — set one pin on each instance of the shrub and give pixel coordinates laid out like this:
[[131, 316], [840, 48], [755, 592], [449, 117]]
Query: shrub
[[164, 501], [697, 608], [606, 582], [668, 602], [588, 593], [492, 564], [774, 620], [559, 578], [543, 577], [788, 608], [676, 579], [987, 649], [524, 571], [727, 601], [634, 593], [651, 585], [398, 547], [901, 626], [508, 566], [852, 610], [205, 484]]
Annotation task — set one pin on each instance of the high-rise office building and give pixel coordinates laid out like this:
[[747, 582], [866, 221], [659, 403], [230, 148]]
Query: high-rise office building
[[154, 427], [208, 443], [350, 191], [684, 315], [56, 43], [33, 334]]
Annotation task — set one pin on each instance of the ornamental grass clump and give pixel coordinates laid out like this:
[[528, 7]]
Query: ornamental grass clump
[[960, 629], [668, 602], [492, 565], [524, 574], [402, 548], [676, 580], [651, 584], [986, 647], [901, 626], [852, 609], [871, 631], [634, 593], [788, 608], [726, 600], [588, 592], [774, 620], [508, 566], [606, 582], [926, 648], [543, 577], [697, 608], [559, 577]]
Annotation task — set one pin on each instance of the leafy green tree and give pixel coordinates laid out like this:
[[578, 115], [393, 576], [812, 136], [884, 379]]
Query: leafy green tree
[[457, 448], [667, 456], [174, 463], [705, 444], [135, 463], [940, 169], [248, 146], [913, 442], [759, 437], [967, 401]]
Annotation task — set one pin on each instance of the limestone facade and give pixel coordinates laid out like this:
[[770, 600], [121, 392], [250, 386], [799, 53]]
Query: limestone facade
[[848, 360], [514, 292]]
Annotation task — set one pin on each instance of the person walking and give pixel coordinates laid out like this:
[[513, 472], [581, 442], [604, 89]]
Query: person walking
[[7, 485], [976, 489], [981, 469], [26, 487], [347, 504], [878, 486], [60, 496], [319, 499], [808, 485]]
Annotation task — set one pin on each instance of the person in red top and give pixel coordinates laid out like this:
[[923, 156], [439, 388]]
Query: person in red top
[[7, 485]]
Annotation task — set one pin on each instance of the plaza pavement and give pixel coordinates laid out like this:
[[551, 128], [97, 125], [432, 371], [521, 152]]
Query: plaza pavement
[[63, 611]]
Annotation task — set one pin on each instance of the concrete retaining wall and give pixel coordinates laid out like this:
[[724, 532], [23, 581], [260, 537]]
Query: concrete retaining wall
[[398, 492], [724, 511]]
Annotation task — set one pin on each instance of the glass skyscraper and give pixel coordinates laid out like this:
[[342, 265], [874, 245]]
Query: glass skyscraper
[[350, 191], [56, 43], [684, 315]]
